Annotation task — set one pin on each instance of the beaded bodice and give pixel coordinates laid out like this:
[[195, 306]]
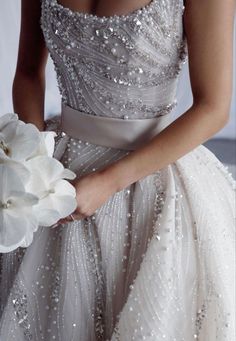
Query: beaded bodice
[[123, 66]]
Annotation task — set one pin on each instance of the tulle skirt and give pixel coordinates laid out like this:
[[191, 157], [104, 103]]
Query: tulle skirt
[[155, 262]]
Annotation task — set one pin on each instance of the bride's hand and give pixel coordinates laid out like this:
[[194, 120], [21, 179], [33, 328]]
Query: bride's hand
[[92, 191]]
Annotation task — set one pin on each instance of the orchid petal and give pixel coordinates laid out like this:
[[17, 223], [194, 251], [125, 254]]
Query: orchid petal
[[49, 141], [46, 145], [63, 187], [68, 174], [45, 216], [18, 167], [48, 168], [65, 205], [21, 139], [12, 230], [16, 218], [9, 180], [20, 199], [37, 184], [6, 119]]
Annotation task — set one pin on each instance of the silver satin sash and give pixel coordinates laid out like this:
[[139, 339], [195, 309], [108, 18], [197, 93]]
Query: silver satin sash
[[128, 134]]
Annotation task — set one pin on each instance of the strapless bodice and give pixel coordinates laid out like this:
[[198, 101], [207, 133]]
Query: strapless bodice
[[123, 66]]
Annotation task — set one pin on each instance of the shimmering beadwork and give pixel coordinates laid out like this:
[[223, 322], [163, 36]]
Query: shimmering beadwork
[[155, 261], [144, 50], [21, 309]]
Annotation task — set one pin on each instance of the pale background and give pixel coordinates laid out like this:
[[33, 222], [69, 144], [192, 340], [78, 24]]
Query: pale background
[[9, 34]]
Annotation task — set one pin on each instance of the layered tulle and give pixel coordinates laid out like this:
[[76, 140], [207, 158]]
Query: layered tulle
[[156, 261]]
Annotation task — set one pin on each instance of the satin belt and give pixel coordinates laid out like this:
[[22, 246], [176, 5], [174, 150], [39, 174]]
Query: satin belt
[[128, 134]]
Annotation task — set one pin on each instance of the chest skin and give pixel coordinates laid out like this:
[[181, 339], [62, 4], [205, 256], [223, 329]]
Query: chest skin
[[104, 7]]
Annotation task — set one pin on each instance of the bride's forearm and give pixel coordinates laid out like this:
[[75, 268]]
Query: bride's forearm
[[188, 131], [210, 55], [28, 98]]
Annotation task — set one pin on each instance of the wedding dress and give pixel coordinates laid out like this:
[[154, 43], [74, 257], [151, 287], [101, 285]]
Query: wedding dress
[[156, 261]]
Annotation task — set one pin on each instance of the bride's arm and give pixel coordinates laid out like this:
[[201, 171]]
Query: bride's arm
[[29, 81], [209, 31]]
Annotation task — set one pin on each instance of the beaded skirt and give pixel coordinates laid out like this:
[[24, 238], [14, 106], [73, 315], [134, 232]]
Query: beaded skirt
[[156, 261]]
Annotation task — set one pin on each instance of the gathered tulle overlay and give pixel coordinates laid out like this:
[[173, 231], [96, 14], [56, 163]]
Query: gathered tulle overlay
[[156, 261]]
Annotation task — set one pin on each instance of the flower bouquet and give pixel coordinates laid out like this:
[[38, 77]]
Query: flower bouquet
[[33, 187]]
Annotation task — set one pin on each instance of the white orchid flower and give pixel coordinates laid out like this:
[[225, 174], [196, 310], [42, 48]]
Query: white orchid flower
[[18, 140], [18, 167], [7, 118], [46, 144], [57, 197], [17, 220]]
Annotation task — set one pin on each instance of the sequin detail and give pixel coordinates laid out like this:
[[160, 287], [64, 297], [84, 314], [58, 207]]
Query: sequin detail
[[155, 261], [20, 304], [100, 67]]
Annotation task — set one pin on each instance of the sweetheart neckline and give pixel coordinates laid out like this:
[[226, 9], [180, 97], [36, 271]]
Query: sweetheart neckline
[[140, 10]]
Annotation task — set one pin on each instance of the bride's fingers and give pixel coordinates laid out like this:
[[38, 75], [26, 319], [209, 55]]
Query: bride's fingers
[[79, 216], [72, 217], [73, 181]]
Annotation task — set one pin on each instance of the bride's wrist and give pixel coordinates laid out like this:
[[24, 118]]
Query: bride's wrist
[[117, 175], [111, 178]]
